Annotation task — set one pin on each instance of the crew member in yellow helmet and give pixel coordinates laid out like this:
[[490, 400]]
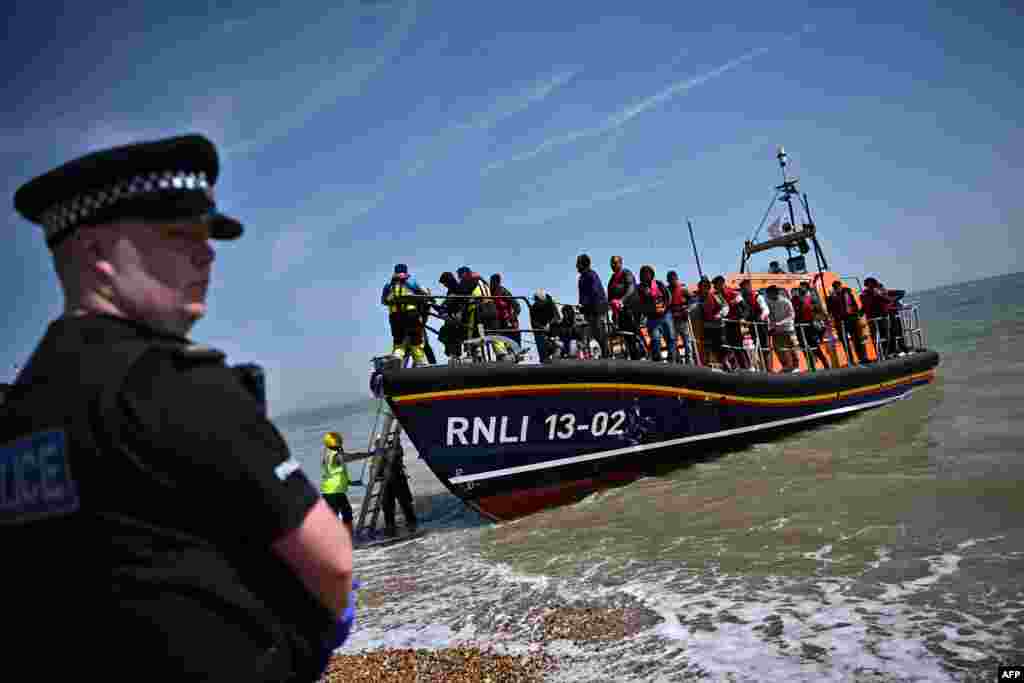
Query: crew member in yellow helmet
[[334, 481]]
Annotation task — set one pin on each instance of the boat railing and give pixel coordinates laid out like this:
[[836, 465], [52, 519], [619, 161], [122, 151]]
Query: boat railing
[[898, 332], [756, 340], [759, 343], [482, 345]]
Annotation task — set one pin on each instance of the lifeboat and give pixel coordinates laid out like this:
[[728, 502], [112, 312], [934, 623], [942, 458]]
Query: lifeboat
[[510, 439]]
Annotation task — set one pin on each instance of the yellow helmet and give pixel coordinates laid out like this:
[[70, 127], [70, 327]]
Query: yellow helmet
[[332, 440]]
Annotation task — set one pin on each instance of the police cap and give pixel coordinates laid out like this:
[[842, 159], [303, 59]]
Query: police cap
[[163, 180]]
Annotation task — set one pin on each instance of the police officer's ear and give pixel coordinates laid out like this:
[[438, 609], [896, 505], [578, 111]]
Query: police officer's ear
[[87, 252]]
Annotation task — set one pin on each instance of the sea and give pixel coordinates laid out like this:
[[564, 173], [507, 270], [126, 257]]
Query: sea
[[885, 547]]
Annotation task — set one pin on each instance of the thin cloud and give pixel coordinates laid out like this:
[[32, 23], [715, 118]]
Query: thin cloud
[[626, 115], [299, 243], [501, 108], [345, 83], [544, 215], [509, 105]]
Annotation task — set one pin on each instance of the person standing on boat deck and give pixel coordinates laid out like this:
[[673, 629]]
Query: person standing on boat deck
[[334, 481], [651, 299], [543, 314], [567, 334], [892, 310], [208, 553], [593, 301], [733, 324], [622, 284], [396, 487], [705, 355], [424, 310], [782, 328], [809, 329], [480, 312], [882, 311], [508, 310], [758, 318], [843, 308], [679, 306], [453, 330], [407, 330]]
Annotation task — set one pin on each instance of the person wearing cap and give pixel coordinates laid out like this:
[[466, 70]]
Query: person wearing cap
[[153, 494], [544, 314], [407, 331]]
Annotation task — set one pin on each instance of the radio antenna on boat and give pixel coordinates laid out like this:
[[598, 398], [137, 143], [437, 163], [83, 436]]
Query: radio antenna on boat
[[794, 234], [695, 254]]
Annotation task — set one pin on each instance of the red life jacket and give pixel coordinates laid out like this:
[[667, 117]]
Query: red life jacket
[[680, 300], [614, 282], [804, 308], [843, 305], [506, 309], [888, 304], [730, 298], [756, 312], [711, 307], [876, 302]]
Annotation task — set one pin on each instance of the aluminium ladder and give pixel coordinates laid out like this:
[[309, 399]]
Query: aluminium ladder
[[388, 441]]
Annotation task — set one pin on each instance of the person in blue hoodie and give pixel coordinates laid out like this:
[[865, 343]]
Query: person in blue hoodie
[[594, 302], [407, 329]]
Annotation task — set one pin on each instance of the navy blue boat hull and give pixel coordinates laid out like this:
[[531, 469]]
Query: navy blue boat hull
[[516, 439]]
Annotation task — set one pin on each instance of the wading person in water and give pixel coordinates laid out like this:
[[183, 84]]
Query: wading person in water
[[202, 551]]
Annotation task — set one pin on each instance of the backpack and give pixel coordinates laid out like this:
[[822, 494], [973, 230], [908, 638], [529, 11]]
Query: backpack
[[487, 309]]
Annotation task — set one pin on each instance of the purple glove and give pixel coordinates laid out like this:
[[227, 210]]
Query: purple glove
[[339, 634]]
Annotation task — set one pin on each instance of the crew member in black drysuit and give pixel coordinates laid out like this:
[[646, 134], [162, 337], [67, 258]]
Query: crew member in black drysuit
[[452, 332], [397, 488], [543, 314]]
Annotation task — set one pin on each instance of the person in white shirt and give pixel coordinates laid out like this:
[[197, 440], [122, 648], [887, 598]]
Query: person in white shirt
[[782, 327]]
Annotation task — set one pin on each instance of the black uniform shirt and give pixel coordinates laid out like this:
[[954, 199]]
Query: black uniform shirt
[[182, 485]]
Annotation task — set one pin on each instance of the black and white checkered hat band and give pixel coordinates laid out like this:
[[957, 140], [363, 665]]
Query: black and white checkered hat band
[[77, 210]]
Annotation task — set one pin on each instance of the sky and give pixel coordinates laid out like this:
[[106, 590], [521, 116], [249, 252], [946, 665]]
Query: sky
[[511, 137]]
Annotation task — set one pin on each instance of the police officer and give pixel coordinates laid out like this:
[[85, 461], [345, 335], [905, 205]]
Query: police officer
[[146, 499]]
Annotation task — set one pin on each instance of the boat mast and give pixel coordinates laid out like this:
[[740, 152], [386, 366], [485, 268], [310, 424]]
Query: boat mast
[[798, 233], [788, 189]]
